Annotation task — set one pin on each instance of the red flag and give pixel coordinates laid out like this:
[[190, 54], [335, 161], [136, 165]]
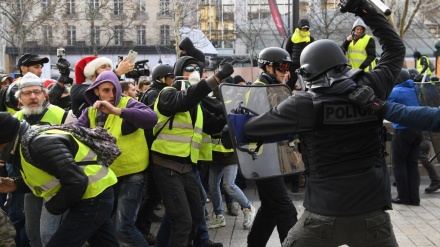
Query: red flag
[[277, 17]]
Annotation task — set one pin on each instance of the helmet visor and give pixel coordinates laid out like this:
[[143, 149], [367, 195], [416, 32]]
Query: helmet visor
[[283, 67]]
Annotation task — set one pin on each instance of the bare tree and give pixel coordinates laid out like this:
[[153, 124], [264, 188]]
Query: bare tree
[[21, 20]]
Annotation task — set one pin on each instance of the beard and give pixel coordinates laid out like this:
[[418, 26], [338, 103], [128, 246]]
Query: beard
[[32, 111]]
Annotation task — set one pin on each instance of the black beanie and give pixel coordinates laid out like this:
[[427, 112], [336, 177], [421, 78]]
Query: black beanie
[[8, 127]]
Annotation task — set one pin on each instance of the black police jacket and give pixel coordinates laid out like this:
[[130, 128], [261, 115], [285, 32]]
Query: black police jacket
[[346, 173]]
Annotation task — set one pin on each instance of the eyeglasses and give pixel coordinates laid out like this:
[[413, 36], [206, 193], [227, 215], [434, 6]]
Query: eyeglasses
[[283, 67], [191, 68], [37, 92]]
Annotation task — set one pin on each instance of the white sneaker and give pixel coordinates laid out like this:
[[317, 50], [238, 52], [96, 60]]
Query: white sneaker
[[217, 221], [249, 216]]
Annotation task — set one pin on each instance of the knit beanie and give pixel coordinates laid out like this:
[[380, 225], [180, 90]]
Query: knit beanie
[[30, 79], [93, 65], [8, 127]]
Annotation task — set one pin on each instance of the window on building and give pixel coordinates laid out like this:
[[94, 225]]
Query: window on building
[[118, 35], [45, 5], [118, 7], [141, 6], [164, 7], [141, 35], [70, 7], [165, 35], [93, 4], [95, 34], [71, 35], [47, 34]]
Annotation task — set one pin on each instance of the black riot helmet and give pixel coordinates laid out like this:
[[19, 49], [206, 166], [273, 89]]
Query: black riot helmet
[[413, 73], [320, 56], [404, 75], [161, 70], [273, 56]]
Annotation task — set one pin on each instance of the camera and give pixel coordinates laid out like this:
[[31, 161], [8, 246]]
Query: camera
[[140, 69], [61, 52]]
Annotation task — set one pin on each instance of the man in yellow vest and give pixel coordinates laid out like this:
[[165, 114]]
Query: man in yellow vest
[[294, 46], [360, 47], [422, 65], [125, 118], [178, 146], [70, 171], [36, 110]]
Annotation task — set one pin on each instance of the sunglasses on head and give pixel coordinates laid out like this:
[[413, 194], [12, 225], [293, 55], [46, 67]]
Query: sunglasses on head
[[283, 67], [191, 68]]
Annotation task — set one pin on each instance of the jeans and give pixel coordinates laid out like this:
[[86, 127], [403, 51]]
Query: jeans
[[182, 201], [425, 147], [16, 212], [128, 196], [49, 224], [229, 173], [90, 221], [276, 209], [313, 230]]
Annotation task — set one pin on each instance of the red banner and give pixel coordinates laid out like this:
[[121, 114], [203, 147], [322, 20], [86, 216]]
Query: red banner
[[277, 17]]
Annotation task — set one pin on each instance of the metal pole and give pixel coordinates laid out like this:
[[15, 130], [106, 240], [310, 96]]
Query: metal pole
[[295, 13]]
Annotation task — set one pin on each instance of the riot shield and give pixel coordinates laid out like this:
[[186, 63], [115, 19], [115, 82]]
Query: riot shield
[[429, 95], [258, 161]]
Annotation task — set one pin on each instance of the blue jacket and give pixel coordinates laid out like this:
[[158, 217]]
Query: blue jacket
[[417, 117], [404, 94]]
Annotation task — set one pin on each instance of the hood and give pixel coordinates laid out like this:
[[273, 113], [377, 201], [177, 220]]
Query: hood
[[359, 22], [106, 76], [408, 83], [303, 23], [182, 62]]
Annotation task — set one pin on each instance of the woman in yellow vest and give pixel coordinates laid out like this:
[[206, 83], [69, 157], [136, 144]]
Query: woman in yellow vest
[[360, 47], [68, 174]]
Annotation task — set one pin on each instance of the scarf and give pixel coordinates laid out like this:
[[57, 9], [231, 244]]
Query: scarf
[[98, 139]]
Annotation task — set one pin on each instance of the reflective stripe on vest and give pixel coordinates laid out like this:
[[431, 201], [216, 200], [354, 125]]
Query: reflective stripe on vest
[[53, 115], [134, 156], [45, 185], [420, 66], [183, 139], [357, 54], [217, 146]]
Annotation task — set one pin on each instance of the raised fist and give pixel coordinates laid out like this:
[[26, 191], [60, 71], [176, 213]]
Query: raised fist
[[63, 67], [357, 7], [225, 71]]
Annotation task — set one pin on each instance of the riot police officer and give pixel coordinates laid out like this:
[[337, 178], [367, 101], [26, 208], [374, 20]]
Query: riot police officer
[[348, 188]]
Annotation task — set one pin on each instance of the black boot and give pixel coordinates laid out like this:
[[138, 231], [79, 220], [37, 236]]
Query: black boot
[[434, 186]]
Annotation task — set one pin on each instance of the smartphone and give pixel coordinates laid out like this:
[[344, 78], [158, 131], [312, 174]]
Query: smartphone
[[131, 57]]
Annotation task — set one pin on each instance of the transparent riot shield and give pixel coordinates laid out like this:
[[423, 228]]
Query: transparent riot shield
[[428, 94], [257, 160]]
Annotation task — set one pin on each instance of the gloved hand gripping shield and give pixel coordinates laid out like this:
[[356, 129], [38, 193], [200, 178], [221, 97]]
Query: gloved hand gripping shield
[[259, 159]]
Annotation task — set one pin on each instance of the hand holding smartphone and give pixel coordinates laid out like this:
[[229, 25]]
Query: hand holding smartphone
[[131, 57]]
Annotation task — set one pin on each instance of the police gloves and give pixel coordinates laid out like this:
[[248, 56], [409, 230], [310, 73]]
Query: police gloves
[[363, 96], [63, 67], [225, 72], [357, 7]]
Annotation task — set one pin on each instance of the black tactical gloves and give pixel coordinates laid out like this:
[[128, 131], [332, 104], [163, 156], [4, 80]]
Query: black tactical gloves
[[63, 67], [363, 96], [226, 71], [357, 7]]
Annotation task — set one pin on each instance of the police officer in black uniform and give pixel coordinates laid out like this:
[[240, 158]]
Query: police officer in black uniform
[[277, 209], [348, 187]]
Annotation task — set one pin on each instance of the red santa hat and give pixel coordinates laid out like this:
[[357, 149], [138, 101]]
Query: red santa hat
[[86, 67]]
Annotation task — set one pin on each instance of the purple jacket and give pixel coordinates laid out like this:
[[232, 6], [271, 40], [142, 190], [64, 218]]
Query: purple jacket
[[136, 115]]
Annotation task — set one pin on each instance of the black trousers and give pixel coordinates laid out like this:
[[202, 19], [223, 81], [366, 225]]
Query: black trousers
[[405, 154], [276, 209]]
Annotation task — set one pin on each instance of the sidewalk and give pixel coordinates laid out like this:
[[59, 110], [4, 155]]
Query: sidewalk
[[414, 226]]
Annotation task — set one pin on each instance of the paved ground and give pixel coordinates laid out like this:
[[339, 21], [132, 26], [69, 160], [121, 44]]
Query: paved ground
[[414, 226]]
